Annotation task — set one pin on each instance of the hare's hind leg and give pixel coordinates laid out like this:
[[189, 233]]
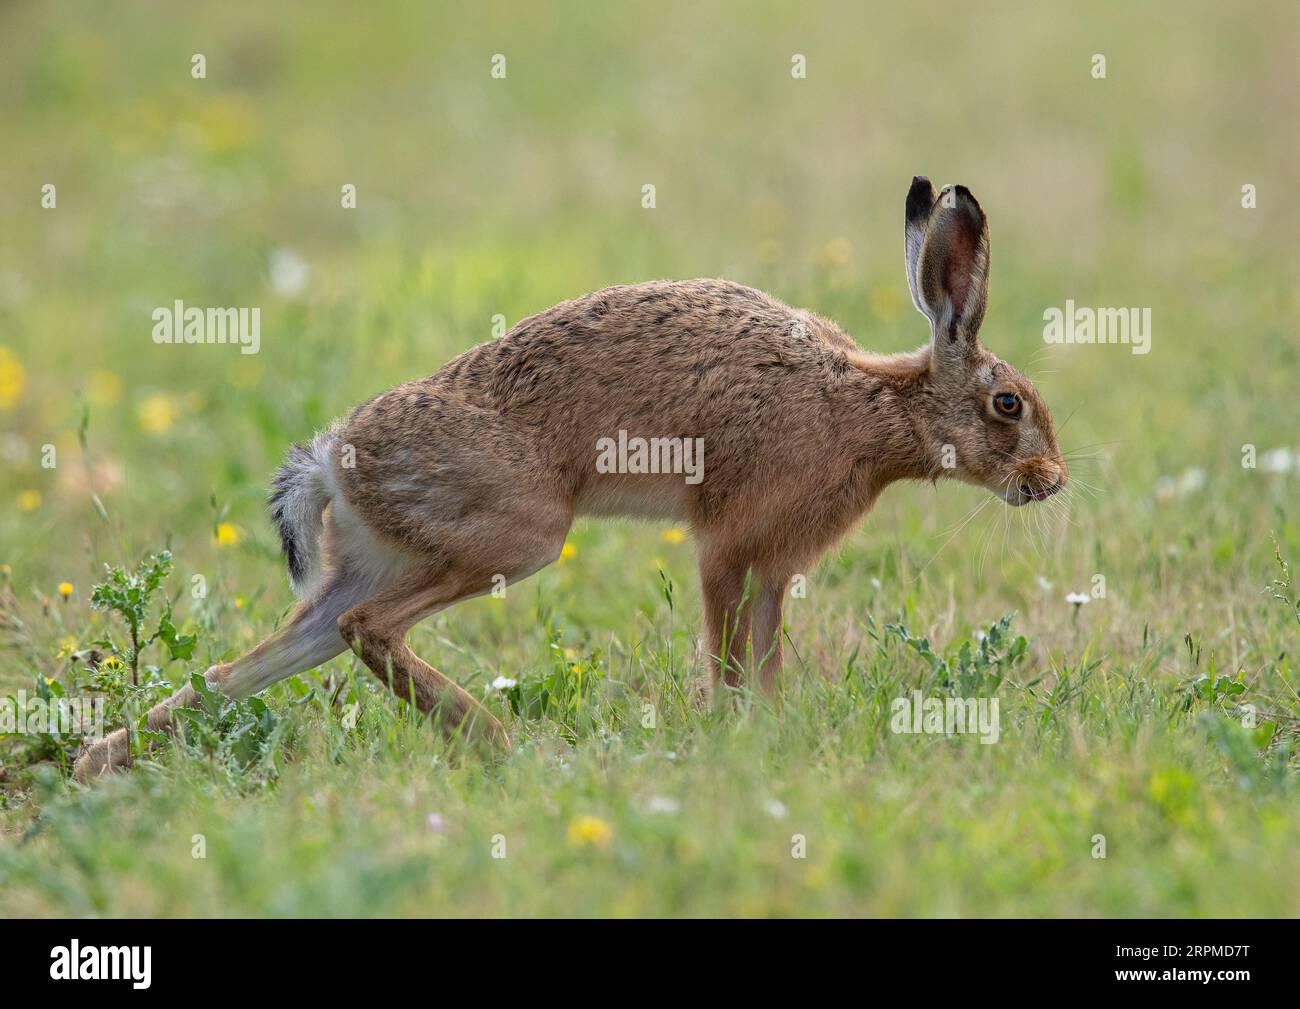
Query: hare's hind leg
[[377, 630], [359, 565], [478, 552], [309, 638]]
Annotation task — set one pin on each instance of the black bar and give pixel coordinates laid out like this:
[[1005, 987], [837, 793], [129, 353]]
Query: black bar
[[336, 957]]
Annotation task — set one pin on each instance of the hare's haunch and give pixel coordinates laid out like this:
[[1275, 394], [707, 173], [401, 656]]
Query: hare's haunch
[[764, 427]]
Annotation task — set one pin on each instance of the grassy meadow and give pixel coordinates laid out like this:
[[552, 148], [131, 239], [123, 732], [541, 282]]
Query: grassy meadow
[[1162, 714]]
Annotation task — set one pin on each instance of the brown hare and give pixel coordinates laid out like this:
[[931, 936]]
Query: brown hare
[[763, 426]]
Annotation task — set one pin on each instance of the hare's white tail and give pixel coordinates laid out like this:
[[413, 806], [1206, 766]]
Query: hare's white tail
[[302, 488]]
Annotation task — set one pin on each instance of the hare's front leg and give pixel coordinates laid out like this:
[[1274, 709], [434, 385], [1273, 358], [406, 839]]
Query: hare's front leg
[[767, 632], [736, 598], [727, 611]]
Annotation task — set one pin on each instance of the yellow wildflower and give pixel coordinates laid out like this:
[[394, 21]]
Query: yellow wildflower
[[590, 831], [228, 534], [159, 412], [13, 378]]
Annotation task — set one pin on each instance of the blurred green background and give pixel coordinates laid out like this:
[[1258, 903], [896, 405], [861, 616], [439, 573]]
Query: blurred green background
[[479, 196]]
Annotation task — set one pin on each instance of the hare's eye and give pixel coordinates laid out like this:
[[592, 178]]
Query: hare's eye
[[1007, 404]]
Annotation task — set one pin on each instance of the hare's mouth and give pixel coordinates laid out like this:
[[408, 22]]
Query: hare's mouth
[[1029, 493], [1026, 492]]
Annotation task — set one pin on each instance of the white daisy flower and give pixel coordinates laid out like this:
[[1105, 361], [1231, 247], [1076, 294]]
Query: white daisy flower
[[1187, 482], [289, 272], [1279, 460], [662, 804], [775, 808]]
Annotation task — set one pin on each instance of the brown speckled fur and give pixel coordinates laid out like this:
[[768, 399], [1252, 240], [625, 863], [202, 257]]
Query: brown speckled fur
[[479, 470]]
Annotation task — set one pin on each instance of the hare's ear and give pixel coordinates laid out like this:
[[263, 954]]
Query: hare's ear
[[920, 200], [952, 280]]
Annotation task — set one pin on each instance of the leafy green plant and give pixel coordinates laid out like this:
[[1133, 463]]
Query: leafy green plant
[[1214, 690], [130, 595], [1241, 747], [33, 746], [241, 737], [562, 691], [112, 684], [969, 669]]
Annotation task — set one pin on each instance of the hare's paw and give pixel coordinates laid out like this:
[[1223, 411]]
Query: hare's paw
[[112, 753], [495, 733]]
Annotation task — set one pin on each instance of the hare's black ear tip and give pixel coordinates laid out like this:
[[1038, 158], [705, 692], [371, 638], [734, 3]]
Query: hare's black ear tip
[[965, 198], [920, 198]]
